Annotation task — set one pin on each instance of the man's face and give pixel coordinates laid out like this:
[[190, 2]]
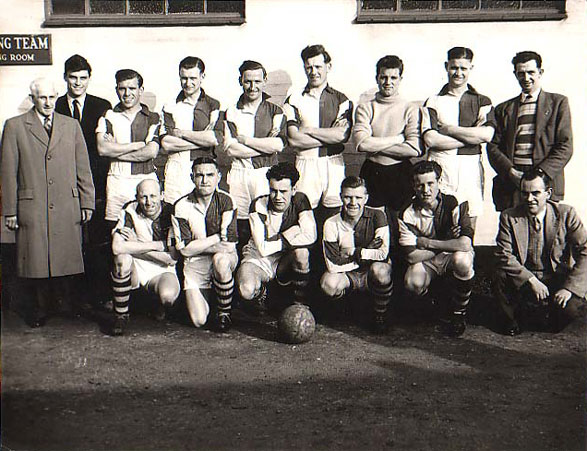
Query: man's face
[[77, 83], [458, 72], [316, 71], [149, 198], [191, 80], [129, 93], [426, 188], [253, 84], [206, 178], [535, 195], [388, 81], [529, 76], [353, 201], [44, 99], [280, 194]]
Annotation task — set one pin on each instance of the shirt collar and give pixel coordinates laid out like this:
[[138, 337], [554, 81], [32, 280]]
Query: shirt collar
[[240, 105], [181, 96], [81, 100], [326, 88], [42, 118], [144, 109], [541, 216], [530, 97], [446, 88]]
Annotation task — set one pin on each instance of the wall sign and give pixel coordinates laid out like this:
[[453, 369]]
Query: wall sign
[[25, 49]]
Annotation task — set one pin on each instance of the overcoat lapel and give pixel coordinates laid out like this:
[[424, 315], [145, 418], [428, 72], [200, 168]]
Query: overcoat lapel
[[36, 129], [57, 130]]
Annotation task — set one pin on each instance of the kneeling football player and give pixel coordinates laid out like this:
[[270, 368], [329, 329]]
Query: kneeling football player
[[282, 229], [356, 248], [142, 257], [204, 226]]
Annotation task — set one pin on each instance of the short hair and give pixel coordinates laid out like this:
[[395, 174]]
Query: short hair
[[460, 52], [189, 62], [251, 65], [353, 181], [425, 167], [282, 171], [525, 56], [537, 173], [315, 50], [34, 86], [76, 63], [128, 74], [390, 62], [205, 160]]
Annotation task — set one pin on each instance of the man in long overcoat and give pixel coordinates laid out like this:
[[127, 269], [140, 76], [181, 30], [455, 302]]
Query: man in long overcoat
[[47, 193]]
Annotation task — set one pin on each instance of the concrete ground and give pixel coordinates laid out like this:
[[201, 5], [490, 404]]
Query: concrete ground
[[168, 386]]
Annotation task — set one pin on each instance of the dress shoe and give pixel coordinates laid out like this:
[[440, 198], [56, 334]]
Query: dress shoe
[[512, 328], [36, 322], [454, 326], [119, 324]]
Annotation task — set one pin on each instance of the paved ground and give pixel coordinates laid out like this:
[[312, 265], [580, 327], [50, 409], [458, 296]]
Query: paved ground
[[167, 386]]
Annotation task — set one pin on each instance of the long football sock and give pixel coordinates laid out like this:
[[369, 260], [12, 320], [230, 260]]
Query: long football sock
[[224, 291], [121, 288]]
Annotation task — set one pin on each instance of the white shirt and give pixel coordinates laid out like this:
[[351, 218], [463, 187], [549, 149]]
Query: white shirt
[[81, 100]]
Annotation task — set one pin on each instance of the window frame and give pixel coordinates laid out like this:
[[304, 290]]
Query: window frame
[[139, 20], [452, 15]]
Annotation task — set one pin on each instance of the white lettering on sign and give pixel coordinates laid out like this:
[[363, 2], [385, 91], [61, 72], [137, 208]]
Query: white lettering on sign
[[22, 57], [5, 43]]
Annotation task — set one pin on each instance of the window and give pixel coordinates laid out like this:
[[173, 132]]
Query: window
[[59, 13], [370, 11]]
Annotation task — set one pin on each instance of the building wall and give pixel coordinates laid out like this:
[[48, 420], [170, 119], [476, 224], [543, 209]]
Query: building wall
[[274, 34]]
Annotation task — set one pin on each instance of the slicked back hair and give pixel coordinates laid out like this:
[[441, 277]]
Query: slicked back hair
[[460, 52], [425, 167], [536, 173], [353, 181], [128, 74], [525, 56], [204, 160], [189, 62], [282, 171], [315, 50], [251, 65], [390, 62], [76, 63]]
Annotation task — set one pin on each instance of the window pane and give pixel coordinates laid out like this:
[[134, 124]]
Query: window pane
[[560, 6], [380, 4], [407, 5], [497, 4], [463, 4], [68, 6], [106, 7], [226, 6], [184, 6], [150, 7]]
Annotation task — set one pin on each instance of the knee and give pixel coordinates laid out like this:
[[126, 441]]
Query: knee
[[415, 285], [380, 273], [247, 289], [222, 264], [302, 258], [329, 285], [121, 265], [462, 264], [168, 295]]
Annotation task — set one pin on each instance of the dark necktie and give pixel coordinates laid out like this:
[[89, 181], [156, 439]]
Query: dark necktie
[[76, 111], [536, 223], [47, 125]]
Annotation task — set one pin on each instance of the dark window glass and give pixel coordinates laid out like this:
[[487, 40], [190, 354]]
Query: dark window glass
[[380, 4], [543, 4], [419, 5], [68, 7], [106, 7], [226, 6], [449, 4], [498, 4], [150, 7], [183, 6]]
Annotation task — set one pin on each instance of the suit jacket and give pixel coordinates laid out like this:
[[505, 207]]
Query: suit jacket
[[94, 108], [46, 182], [553, 145], [565, 240]]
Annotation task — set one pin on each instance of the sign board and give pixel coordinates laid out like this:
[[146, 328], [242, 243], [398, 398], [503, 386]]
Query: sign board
[[25, 49]]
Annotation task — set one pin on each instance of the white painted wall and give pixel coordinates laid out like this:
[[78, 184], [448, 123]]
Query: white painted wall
[[276, 31]]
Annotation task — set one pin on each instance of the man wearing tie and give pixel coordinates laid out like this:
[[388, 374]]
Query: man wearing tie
[[47, 193], [542, 257], [87, 109], [533, 130]]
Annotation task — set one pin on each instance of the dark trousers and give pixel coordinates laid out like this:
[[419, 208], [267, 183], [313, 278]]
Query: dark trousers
[[43, 295], [522, 306]]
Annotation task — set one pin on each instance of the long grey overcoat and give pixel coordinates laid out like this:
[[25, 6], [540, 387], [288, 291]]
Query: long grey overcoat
[[46, 182]]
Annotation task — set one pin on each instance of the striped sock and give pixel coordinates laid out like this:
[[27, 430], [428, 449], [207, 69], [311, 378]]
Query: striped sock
[[121, 288], [300, 281], [224, 292], [381, 297], [461, 295]]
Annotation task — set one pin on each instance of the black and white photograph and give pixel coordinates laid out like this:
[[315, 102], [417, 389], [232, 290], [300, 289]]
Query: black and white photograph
[[293, 225]]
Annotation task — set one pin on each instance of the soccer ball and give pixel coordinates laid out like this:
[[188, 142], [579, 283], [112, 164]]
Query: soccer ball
[[296, 324]]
